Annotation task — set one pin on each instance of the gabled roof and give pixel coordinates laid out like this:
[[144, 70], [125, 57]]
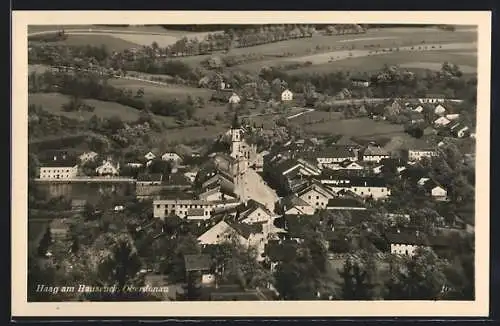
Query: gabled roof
[[253, 205], [68, 162], [292, 201], [245, 230], [316, 186], [375, 151], [406, 237], [344, 202], [334, 151], [368, 182]]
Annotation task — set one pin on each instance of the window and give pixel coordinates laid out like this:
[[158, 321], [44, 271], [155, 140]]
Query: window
[[308, 197], [317, 197]]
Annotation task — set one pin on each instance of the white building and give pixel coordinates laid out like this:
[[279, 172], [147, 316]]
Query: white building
[[171, 156], [181, 207], [439, 110], [234, 99], [375, 154], [417, 154], [286, 95], [108, 168], [441, 121], [405, 243], [58, 170], [150, 156], [316, 195]]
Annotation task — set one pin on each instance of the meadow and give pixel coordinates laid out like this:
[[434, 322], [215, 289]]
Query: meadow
[[158, 92], [52, 102], [359, 127], [419, 60]]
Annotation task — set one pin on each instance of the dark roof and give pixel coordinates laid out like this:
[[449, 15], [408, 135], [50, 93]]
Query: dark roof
[[292, 200], [197, 262], [149, 177], [176, 194], [68, 162], [406, 237], [236, 123], [245, 229], [367, 182], [285, 165], [253, 205], [344, 202], [374, 150], [334, 151], [177, 178]]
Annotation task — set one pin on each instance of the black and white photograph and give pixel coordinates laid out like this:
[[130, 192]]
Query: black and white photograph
[[280, 160]]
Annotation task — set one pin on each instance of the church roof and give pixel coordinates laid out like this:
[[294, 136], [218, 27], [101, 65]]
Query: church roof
[[236, 123]]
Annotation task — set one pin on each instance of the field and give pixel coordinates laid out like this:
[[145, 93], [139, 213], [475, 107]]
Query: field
[[189, 134], [53, 102], [346, 47], [117, 38], [154, 91], [360, 127], [423, 60]]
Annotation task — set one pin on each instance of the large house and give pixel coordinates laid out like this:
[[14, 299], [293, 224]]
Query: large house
[[58, 169], [255, 212], [107, 168], [333, 155], [172, 157], [436, 191], [440, 110], [366, 187], [417, 154], [293, 205], [375, 154], [162, 208], [225, 230], [405, 243], [341, 203], [316, 195]]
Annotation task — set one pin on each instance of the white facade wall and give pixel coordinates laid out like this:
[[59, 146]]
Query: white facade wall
[[58, 173]]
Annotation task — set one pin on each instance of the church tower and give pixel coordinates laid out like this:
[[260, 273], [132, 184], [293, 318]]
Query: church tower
[[236, 134]]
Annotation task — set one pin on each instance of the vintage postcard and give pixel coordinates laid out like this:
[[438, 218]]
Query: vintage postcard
[[250, 163]]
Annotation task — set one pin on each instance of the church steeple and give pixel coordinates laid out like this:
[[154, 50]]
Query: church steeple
[[236, 123]]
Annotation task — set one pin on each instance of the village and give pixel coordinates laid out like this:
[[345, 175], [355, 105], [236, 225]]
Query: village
[[260, 212]]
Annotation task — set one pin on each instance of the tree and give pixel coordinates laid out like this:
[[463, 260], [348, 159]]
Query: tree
[[356, 284], [420, 277], [140, 93], [45, 242]]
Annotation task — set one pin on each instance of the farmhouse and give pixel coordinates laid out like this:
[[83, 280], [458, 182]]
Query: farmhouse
[[316, 195], [245, 234], [293, 205], [375, 154], [108, 168], [286, 95], [435, 190], [255, 212], [405, 243], [172, 156], [58, 169]]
